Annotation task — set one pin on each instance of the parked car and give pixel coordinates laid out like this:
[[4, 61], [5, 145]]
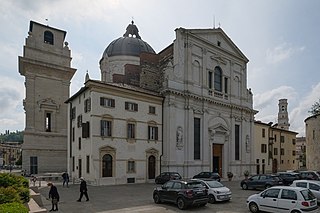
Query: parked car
[[208, 175], [309, 175], [283, 199], [314, 186], [182, 193], [261, 181], [216, 190], [288, 177], [166, 176]]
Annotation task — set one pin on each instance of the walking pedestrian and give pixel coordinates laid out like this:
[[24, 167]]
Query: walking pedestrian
[[54, 195], [65, 177], [83, 189]]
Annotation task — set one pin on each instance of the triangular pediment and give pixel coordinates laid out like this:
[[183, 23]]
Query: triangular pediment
[[219, 38]]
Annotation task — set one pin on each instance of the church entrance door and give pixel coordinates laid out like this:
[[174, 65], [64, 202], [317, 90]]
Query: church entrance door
[[151, 167], [217, 158]]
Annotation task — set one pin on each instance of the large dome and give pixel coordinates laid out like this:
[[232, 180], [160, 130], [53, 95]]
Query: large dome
[[130, 44]]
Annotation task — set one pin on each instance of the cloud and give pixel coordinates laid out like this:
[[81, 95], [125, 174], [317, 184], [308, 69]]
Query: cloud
[[282, 52], [11, 96], [272, 96]]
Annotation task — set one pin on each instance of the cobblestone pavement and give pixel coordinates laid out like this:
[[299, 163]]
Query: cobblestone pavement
[[136, 198]]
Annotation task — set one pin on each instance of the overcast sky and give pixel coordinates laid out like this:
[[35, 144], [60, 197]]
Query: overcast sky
[[280, 38]]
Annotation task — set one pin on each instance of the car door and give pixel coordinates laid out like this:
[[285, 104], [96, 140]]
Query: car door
[[253, 181], [288, 200], [174, 191], [262, 181], [268, 200], [165, 191]]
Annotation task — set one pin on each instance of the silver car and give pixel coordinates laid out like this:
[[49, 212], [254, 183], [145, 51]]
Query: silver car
[[313, 185], [216, 191]]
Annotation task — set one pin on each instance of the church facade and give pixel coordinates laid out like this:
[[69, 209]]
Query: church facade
[[185, 109]]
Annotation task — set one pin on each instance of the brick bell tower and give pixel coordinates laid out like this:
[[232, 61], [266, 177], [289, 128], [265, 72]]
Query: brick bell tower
[[46, 65]]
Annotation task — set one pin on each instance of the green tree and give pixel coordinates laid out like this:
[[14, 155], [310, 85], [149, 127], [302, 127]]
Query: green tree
[[315, 109]]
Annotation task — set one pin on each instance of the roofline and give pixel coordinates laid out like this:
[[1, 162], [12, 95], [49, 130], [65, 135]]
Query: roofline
[[312, 116], [46, 26]]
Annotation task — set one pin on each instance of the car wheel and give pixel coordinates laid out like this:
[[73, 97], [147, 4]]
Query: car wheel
[[267, 186], [181, 204], [212, 199], [244, 186], [253, 207], [156, 198]]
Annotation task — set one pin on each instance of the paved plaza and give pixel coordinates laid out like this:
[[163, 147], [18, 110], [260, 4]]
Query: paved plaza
[[135, 198]]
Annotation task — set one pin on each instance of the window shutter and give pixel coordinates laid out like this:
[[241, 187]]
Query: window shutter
[[149, 129], [112, 102], [156, 133], [126, 105], [135, 107], [101, 101], [101, 128]]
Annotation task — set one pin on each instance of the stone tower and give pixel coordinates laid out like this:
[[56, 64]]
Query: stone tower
[[283, 118], [46, 65]]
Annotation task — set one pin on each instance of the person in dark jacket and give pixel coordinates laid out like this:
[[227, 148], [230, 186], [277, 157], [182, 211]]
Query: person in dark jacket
[[83, 189], [65, 177], [54, 195]]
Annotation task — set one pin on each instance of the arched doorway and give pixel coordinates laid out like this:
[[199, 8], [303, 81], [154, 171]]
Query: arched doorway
[[151, 167], [107, 165]]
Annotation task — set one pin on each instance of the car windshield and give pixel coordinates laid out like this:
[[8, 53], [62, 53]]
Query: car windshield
[[214, 184], [192, 185], [307, 194]]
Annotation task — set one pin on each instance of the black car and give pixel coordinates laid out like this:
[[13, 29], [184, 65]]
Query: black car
[[288, 177], [165, 176], [208, 175], [309, 175], [261, 181], [182, 193]]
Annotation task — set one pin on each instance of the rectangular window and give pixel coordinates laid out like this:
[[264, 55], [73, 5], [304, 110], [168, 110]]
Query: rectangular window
[[152, 133], [263, 148], [275, 138], [73, 113], [210, 80], [79, 143], [294, 141], [87, 105], [131, 131], [48, 122], [106, 128], [131, 167], [88, 163], [131, 106], [33, 165], [282, 139], [79, 121], [73, 133], [197, 131], [86, 130], [275, 151], [237, 142], [107, 102], [152, 110], [313, 134], [294, 153], [225, 85], [263, 133], [282, 151], [73, 163]]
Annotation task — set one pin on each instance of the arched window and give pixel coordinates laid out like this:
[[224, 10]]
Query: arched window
[[48, 37], [218, 79], [107, 165]]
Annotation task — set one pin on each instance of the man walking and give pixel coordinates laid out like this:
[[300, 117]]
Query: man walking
[[65, 177], [83, 189], [54, 195]]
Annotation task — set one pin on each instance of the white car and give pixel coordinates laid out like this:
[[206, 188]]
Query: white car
[[283, 199], [313, 185], [217, 191]]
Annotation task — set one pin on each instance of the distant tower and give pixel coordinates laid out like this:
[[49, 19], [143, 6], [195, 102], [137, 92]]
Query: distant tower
[[46, 65], [283, 118]]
